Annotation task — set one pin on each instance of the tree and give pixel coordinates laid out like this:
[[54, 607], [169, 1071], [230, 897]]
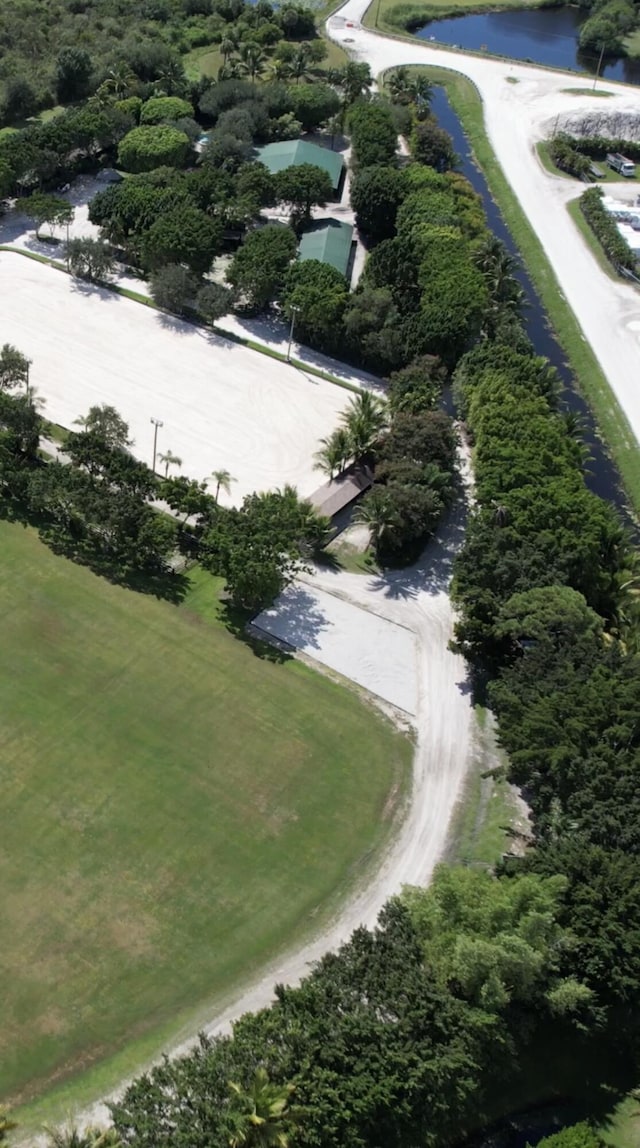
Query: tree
[[300, 63], [169, 459], [19, 100], [433, 146], [376, 194], [364, 419], [213, 301], [373, 135], [575, 1136], [418, 386], [261, 1112], [253, 59], [317, 294], [148, 147], [121, 82], [73, 75], [14, 368], [377, 512], [259, 268], [105, 422], [173, 288], [49, 209], [335, 453], [373, 328], [355, 81], [223, 480], [91, 1137], [165, 110], [185, 235], [7, 1125], [302, 187], [313, 104], [90, 259]]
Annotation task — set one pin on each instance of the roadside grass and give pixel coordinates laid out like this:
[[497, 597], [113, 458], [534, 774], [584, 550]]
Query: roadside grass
[[176, 809], [488, 810], [587, 92], [611, 421]]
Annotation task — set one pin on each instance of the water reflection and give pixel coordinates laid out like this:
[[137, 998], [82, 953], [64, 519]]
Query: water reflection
[[543, 35]]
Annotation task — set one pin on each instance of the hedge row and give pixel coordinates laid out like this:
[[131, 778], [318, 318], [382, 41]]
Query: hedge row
[[604, 228]]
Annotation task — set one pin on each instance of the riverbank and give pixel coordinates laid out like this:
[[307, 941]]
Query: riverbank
[[378, 14]]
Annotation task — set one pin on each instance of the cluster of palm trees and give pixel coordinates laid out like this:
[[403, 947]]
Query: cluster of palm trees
[[362, 426], [407, 86], [121, 82], [250, 59], [499, 270], [261, 1116]]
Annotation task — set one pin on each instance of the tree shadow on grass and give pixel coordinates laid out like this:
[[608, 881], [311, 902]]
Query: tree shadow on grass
[[238, 623]]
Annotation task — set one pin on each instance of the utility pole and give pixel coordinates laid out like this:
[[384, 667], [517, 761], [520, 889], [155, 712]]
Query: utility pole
[[156, 423], [599, 67], [294, 312], [26, 380]]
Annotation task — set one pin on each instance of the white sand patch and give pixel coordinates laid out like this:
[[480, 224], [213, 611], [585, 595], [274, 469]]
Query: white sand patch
[[222, 405], [363, 646]]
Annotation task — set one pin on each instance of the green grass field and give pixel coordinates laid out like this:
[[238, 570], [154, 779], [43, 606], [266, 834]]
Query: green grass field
[[175, 809]]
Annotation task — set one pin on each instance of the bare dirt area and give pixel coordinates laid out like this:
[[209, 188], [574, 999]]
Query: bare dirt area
[[221, 404]]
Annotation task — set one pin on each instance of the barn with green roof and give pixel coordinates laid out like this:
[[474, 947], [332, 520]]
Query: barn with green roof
[[291, 153], [329, 241]]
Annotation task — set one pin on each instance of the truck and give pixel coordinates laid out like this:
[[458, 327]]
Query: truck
[[621, 164]]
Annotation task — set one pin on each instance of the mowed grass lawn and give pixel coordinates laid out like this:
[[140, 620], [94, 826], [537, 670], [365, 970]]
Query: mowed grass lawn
[[174, 809]]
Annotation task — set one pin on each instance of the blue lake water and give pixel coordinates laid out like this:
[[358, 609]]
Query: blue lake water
[[543, 35]]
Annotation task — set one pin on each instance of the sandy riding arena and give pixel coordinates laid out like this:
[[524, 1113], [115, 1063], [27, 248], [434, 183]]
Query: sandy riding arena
[[221, 405]]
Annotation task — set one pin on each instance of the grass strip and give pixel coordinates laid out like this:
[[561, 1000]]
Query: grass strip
[[612, 422]]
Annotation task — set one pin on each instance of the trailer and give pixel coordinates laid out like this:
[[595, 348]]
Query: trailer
[[621, 164]]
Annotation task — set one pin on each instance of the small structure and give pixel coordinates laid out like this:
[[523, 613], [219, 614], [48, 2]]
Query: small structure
[[291, 153], [329, 241], [340, 492]]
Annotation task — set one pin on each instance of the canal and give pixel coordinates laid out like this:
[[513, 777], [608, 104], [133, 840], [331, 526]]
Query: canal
[[602, 476]]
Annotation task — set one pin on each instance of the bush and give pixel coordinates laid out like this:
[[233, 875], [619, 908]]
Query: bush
[[164, 110], [148, 147], [604, 228]]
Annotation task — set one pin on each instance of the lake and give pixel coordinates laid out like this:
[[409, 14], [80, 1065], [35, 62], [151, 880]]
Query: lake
[[543, 35]]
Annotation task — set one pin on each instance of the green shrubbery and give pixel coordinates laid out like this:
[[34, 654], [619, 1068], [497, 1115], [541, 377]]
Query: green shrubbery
[[604, 228]]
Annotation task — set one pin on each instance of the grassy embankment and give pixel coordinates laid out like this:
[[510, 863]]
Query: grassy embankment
[[379, 14], [612, 422], [175, 810]]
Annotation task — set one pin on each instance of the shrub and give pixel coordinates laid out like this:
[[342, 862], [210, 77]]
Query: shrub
[[164, 110], [148, 147], [604, 228]]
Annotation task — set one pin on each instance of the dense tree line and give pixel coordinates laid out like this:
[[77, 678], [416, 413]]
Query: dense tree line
[[603, 225]]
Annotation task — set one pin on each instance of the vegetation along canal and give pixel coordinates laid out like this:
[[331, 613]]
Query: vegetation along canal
[[602, 475]]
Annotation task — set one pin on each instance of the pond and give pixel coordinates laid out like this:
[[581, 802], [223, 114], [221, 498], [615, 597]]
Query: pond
[[543, 35], [602, 475]]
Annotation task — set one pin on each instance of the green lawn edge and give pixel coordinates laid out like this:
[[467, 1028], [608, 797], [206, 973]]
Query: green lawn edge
[[612, 423]]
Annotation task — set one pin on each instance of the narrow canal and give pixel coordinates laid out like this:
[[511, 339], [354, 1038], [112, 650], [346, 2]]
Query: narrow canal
[[602, 476]]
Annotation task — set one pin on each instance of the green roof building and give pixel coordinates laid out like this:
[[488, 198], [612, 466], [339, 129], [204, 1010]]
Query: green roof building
[[290, 153], [329, 241]]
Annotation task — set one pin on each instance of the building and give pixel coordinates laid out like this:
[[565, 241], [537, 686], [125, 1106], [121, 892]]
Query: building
[[291, 153], [329, 241]]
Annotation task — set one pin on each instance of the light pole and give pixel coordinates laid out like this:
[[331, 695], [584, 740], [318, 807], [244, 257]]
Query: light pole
[[599, 67], [156, 423], [26, 380], [294, 312]]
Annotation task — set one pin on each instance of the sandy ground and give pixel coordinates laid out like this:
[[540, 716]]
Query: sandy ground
[[17, 230], [518, 114], [222, 405], [361, 644]]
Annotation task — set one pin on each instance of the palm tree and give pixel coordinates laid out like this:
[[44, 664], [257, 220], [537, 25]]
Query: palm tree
[[253, 59], [335, 126], [232, 70], [227, 47], [401, 85], [169, 459], [223, 481], [279, 70], [299, 66], [262, 1113], [499, 269], [335, 452], [120, 81], [71, 1137], [377, 512], [365, 419]]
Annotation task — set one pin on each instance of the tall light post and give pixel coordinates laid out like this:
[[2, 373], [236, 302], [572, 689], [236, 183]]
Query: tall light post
[[294, 312], [156, 423], [599, 67]]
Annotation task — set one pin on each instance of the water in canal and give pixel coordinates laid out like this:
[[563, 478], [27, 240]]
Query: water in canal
[[602, 476], [542, 35]]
